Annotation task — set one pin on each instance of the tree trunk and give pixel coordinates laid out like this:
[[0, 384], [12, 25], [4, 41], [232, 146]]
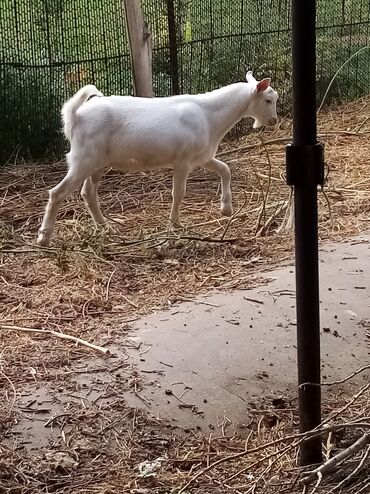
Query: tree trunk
[[141, 48]]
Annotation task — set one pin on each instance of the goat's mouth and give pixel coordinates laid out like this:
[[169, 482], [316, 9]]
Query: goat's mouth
[[257, 124], [271, 122]]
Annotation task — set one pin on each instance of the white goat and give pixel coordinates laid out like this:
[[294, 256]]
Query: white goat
[[133, 134]]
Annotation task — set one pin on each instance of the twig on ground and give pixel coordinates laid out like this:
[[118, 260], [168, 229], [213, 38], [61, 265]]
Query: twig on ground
[[58, 335], [364, 489], [269, 169], [253, 300], [108, 285], [319, 480], [13, 389], [262, 211], [296, 438], [205, 239], [352, 474], [279, 140], [287, 222], [328, 204], [341, 381], [338, 458], [196, 301], [278, 453], [345, 407], [282, 140], [130, 301], [234, 216], [274, 215]]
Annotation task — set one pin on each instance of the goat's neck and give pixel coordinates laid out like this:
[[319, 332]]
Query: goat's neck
[[227, 106]]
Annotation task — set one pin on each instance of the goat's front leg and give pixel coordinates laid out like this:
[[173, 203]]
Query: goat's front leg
[[224, 173], [56, 195], [180, 176]]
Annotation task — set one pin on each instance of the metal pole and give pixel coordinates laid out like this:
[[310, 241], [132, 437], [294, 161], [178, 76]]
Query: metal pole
[[305, 172]]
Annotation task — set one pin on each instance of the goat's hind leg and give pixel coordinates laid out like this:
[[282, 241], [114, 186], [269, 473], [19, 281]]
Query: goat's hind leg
[[70, 183], [89, 194], [180, 176]]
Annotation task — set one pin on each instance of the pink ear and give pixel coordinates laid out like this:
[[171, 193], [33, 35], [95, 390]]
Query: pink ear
[[263, 85]]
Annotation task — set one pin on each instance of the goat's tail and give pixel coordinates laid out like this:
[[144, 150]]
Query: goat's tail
[[72, 105]]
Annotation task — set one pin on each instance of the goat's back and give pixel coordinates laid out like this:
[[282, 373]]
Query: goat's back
[[139, 133]]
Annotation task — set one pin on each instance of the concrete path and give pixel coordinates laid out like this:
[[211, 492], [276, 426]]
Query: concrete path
[[223, 354]]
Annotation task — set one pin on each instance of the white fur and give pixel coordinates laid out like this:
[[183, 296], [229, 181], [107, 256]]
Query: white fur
[[132, 134], [71, 106]]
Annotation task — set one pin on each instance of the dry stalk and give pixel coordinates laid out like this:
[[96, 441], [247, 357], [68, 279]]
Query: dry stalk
[[234, 216], [296, 438], [282, 140], [58, 335], [70, 289], [348, 405], [337, 459], [13, 390], [353, 474], [274, 215], [364, 489], [341, 381]]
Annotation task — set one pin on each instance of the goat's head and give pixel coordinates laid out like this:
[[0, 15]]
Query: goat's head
[[263, 103]]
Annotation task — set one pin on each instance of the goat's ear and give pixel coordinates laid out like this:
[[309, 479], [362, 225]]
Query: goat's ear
[[250, 77], [263, 85]]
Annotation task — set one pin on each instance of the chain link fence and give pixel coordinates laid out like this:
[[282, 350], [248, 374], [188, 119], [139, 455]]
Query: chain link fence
[[50, 48]]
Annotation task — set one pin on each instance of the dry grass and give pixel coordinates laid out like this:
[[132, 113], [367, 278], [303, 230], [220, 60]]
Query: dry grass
[[100, 449], [147, 263], [90, 284]]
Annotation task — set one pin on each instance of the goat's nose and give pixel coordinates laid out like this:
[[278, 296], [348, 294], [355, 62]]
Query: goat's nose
[[272, 121]]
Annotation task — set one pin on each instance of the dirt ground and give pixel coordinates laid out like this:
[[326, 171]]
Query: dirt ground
[[212, 358], [66, 419]]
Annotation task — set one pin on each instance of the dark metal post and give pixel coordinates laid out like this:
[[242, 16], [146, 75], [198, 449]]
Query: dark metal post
[[172, 35], [305, 171]]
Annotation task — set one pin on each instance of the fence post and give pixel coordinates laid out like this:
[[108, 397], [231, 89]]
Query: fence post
[[141, 48], [172, 35]]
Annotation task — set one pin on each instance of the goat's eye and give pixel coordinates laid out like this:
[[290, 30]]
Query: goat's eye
[[269, 101]]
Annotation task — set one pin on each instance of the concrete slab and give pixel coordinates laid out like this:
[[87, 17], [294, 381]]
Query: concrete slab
[[219, 356]]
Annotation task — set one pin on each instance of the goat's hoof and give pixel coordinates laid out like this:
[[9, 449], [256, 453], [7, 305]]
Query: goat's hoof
[[175, 225], [227, 210], [106, 228], [43, 240], [111, 230]]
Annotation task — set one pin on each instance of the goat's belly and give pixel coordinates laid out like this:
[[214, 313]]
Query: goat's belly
[[132, 165]]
